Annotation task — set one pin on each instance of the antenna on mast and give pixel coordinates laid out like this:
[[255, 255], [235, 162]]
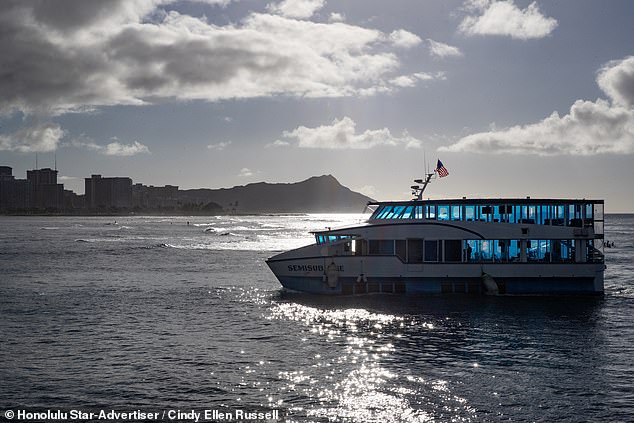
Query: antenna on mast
[[36, 160], [55, 156], [425, 159]]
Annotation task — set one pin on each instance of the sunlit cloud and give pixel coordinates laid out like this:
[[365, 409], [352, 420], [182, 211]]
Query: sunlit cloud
[[442, 50], [114, 148], [342, 134], [37, 138], [301, 9], [599, 127], [219, 146], [119, 149], [505, 18], [404, 39]]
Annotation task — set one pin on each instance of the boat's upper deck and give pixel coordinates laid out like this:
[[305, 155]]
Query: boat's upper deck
[[555, 212]]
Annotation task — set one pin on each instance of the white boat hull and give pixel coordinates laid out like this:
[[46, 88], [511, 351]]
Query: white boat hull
[[391, 275]]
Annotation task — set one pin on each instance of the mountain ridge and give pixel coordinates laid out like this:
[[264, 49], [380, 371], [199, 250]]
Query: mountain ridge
[[316, 194]]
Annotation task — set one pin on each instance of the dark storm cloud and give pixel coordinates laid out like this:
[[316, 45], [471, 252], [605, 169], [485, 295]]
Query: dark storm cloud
[[75, 55]]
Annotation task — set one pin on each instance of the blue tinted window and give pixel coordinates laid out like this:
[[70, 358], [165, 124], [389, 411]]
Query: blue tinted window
[[407, 214], [538, 250], [456, 212], [397, 212], [430, 212], [469, 213], [443, 212], [563, 250], [384, 212], [486, 213]]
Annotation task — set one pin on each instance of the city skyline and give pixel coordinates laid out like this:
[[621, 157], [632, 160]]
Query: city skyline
[[517, 98]]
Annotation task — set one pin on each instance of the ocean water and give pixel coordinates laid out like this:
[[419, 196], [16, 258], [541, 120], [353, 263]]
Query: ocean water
[[155, 314]]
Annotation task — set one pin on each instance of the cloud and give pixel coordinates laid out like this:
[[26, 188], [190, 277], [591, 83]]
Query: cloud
[[342, 135], [219, 146], [118, 149], [278, 143], [245, 172], [413, 79], [599, 127], [115, 148], [301, 9], [504, 18], [442, 50], [38, 138], [404, 39], [616, 79], [93, 54], [336, 17]]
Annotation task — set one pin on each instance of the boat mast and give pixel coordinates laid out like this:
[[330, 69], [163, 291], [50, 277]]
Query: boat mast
[[417, 189]]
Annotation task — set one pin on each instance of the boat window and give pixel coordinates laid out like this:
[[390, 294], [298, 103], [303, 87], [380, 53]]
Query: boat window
[[443, 212], [324, 239], [431, 250], [453, 250], [397, 212], [538, 250], [514, 250], [384, 212], [485, 213], [477, 250], [407, 214], [469, 213], [594, 254], [500, 250], [456, 212], [414, 250], [377, 212], [563, 250], [390, 213], [559, 215], [509, 214], [430, 212], [419, 212], [381, 247], [574, 214]]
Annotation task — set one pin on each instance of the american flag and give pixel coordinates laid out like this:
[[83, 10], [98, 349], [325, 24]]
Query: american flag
[[441, 170]]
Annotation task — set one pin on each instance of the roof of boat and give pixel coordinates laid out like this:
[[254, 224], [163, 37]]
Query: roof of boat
[[488, 201]]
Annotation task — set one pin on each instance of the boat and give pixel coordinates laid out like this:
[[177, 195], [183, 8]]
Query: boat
[[494, 246]]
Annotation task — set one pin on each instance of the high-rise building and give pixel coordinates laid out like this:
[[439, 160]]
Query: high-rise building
[[108, 192], [46, 193]]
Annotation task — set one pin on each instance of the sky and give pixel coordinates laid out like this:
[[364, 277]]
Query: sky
[[517, 98]]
